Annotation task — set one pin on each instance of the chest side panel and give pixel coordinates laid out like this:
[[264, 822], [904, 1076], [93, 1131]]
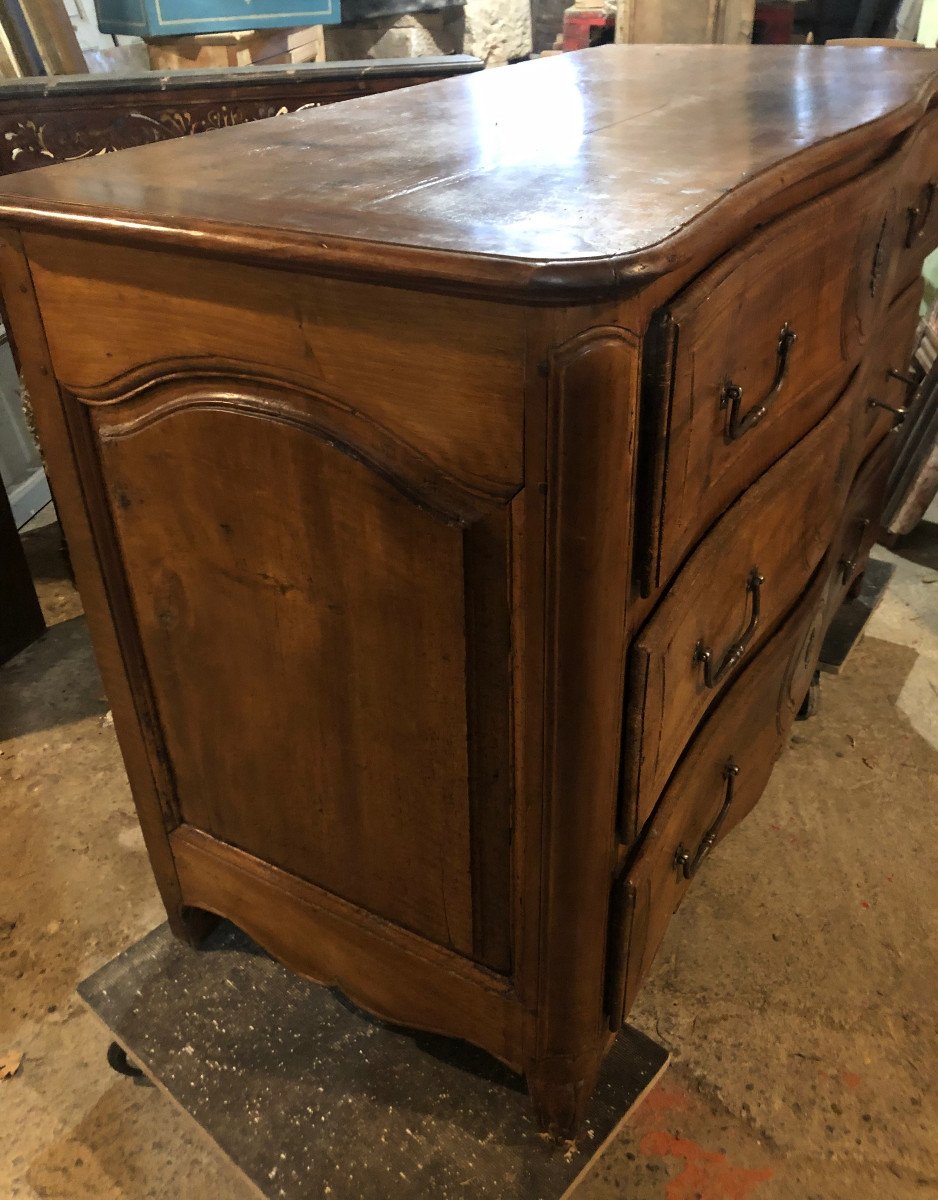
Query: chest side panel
[[314, 573]]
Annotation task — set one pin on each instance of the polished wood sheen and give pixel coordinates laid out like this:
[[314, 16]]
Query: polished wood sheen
[[737, 745], [472, 183], [779, 529], [459, 485]]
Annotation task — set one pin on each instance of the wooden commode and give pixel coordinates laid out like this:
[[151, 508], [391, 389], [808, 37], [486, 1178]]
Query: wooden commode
[[460, 482]]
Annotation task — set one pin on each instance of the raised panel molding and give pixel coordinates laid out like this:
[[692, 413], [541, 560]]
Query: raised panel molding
[[115, 415], [159, 390]]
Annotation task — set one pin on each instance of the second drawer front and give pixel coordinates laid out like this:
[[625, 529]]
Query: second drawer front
[[730, 594], [718, 781]]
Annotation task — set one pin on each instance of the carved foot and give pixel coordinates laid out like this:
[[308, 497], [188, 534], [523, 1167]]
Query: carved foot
[[560, 1099], [192, 925]]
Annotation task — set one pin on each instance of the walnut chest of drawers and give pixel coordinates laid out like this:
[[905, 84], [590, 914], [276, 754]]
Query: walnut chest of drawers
[[459, 484]]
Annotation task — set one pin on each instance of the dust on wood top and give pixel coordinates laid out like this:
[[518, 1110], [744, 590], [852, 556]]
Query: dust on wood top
[[566, 177]]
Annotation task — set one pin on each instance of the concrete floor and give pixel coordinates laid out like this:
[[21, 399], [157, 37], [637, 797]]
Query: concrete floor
[[796, 988]]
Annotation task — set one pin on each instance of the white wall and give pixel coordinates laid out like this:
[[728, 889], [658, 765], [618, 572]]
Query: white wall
[[100, 52], [82, 15], [928, 26]]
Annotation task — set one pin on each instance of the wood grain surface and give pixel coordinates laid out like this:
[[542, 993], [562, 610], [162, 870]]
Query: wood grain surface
[[467, 183], [780, 529], [745, 733]]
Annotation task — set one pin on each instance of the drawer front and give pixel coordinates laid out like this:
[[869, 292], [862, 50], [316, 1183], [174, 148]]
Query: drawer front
[[733, 590], [860, 524], [891, 376], [917, 214], [718, 782], [743, 364]]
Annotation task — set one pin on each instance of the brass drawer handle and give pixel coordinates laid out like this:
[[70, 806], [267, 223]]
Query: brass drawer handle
[[703, 654], [899, 414], [919, 214], [911, 378], [848, 565], [731, 396], [683, 860]]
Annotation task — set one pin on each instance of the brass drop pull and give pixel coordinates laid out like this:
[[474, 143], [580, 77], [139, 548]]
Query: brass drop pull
[[703, 654], [687, 863], [907, 377], [731, 396], [919, 214], [848, 565], [899, 414]]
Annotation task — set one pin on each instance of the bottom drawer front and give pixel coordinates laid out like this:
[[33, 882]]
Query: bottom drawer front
[[717, 782]]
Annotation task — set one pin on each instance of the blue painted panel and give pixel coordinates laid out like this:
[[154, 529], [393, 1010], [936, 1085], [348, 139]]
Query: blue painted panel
[[167, 18]]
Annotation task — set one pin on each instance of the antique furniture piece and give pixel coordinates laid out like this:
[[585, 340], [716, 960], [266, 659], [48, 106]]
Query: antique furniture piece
[[459, 486], [37, 38], [43, 121]]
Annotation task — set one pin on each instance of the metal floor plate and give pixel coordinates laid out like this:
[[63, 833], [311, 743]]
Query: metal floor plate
[[309, 1096]]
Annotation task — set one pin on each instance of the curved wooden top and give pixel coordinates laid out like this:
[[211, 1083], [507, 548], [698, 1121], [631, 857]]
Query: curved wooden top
[[562, 179]]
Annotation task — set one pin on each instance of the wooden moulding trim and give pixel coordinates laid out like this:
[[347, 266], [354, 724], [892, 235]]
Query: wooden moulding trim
[[397, 975], [655, 412], [593, 390], [228, 385], [243, 80], [632, 726], [727, 220], [621, 916]]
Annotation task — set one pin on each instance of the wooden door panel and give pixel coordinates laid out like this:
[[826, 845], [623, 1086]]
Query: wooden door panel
[[307, 598]]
